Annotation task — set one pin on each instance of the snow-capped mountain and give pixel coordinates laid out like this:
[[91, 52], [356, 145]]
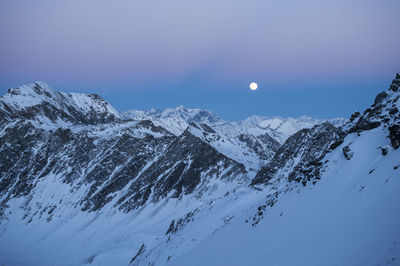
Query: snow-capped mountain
[[81, 184], [38, 102], [251, 142], [226, 137], [283, 128], [177, 119]]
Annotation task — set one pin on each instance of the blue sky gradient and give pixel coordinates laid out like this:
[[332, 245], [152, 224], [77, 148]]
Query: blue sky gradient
[[318, 58]]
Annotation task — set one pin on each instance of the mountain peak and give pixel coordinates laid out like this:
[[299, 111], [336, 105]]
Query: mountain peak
[[38, 100], [38, 87], [30, 95]]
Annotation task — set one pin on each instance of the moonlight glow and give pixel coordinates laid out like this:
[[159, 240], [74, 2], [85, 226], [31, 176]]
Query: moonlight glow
[[253, 86]]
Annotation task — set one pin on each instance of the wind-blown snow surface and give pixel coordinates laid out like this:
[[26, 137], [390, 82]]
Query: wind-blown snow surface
[[351, 217]]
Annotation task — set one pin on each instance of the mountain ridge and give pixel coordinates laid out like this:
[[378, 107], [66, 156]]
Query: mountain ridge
[[131, 192]]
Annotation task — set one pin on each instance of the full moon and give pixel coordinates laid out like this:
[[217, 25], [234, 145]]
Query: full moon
[[253, 86]]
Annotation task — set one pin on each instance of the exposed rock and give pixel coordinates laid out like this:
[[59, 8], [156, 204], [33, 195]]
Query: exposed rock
[[379, 98], [140, 252], [394, 135], [384, 150], [393, 111], [383, 112], [179, 169], [371, 171], [365, 124], [354, 116], [395, 83], [301, 154], [174, 227], [348, 154], [336, 144], [262, 145]]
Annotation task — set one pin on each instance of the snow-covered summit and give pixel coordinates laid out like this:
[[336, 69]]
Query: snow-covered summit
[[31, 94], [285, 127], [189, 115], [38, 101], [176, 120]]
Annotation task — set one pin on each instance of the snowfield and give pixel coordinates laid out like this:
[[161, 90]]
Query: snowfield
[[350, 217]]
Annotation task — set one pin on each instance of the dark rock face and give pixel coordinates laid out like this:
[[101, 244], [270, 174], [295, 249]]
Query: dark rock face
[[380, 97], [181, 222], [140, 252], [262, 145], [384, 112], [393, 111], [348, 154], [354, 116], [300, 155], [384, 151], [364, 124], [179, 170], [394, 135], [28, 154], [395, 83]]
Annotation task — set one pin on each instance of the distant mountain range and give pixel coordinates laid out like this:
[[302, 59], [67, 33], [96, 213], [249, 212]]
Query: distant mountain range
[[177, 119], [81, 183]]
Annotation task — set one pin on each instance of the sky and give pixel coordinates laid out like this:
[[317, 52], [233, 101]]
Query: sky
[[318, 58]]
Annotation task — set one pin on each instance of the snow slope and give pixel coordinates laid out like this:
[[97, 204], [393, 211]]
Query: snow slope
[[350, 217]]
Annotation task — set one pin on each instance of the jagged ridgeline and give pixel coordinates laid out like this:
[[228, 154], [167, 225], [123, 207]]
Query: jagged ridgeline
[[125, 159], [301, 157], [145, 187], [84, 142]]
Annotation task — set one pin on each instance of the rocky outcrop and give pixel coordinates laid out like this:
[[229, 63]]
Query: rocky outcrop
[[348, 154], [384, 111], [394, 135], [300, 158], [301, 154], [263, 145], [184, 167], [395, 83]]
